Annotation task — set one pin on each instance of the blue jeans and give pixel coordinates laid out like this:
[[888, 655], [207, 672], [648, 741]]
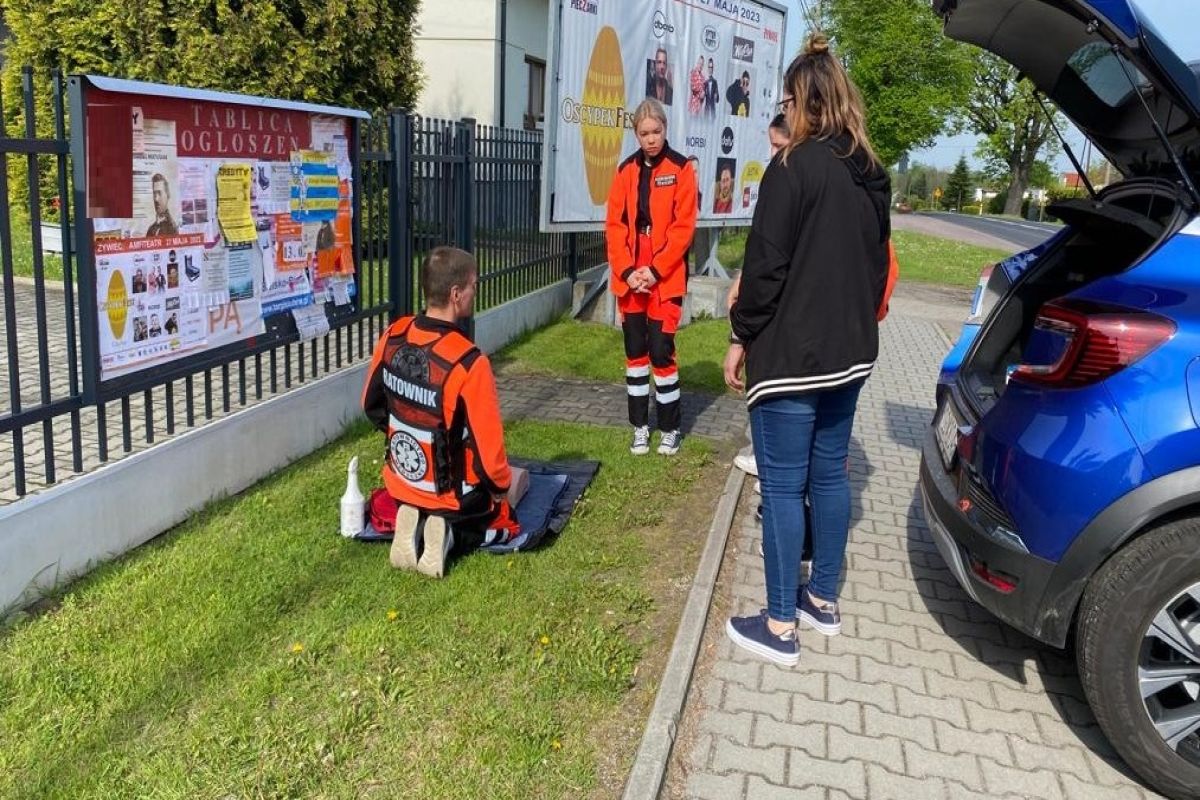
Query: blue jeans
[[801, 443]]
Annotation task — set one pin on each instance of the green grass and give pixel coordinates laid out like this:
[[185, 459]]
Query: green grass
[[596, 352], [22, 252], [732, 247], [254, 653], [931, 259], [923, 258]]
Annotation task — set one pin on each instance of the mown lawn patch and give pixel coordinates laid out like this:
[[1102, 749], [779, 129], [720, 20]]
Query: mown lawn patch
[[596, 352], [253, 653], [923, 258], [931, 259]]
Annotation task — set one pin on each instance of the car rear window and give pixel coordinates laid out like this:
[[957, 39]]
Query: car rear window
[[1103, 71]]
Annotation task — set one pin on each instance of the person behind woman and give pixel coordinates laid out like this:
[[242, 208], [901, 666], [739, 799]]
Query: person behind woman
[[648, 229], [805, 327]]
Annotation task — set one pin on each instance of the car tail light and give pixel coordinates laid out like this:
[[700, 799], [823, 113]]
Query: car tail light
[[1097, 341]]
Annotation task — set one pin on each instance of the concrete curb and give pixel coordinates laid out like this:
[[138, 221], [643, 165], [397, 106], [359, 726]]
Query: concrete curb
[[650, 765]]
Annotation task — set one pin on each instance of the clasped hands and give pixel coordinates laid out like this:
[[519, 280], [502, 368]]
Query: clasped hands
[[642, 280]]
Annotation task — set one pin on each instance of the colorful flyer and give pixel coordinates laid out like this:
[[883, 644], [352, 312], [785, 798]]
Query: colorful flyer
[[314, 186], [233, 203]]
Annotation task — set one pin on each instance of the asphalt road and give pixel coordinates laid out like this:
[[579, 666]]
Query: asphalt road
[[1021, 233]]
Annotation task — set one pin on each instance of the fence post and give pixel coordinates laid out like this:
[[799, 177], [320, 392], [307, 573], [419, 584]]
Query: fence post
[[464, 233], [400, 232], [573, 256]]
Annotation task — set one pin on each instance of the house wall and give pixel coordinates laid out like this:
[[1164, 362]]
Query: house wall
[[457, 46], [528, 23]]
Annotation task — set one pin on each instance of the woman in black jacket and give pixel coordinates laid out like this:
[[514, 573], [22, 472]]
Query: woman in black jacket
[[804, 327]]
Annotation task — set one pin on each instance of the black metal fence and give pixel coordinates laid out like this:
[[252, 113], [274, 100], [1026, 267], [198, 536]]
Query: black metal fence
[[423, 182]]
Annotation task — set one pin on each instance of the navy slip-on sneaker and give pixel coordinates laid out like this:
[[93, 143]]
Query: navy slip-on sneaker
[[821, 616], [752, 634]]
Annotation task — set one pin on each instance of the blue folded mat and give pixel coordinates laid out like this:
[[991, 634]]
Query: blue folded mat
[[554, 488]]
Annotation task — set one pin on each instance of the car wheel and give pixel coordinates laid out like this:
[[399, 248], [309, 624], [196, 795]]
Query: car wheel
[[1138, 648]]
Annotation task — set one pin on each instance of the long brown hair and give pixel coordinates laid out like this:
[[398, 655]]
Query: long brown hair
[[826, 103]]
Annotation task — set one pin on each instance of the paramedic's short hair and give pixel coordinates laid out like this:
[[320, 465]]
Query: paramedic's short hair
[[442, 270], [649, 109]]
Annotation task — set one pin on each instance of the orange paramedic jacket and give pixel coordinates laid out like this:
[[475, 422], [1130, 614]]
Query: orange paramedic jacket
[[673, 211], [439, 453]]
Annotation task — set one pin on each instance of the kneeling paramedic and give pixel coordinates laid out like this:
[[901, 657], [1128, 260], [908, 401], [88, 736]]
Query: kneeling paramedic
[[432, 390]]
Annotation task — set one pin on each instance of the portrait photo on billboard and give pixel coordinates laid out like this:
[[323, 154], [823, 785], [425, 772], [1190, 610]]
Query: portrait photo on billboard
[[712, 88], [740, 90], [697, 84], [660, 83], [723, 186]]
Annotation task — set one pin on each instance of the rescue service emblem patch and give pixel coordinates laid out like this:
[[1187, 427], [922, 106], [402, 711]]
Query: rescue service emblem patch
[[412, 363], [664, 180], [408, 458]]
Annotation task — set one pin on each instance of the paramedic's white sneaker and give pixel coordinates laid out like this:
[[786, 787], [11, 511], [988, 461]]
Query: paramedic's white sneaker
[[746, 463], [670, 443], [439, 540], [405, 540], [641, 441]]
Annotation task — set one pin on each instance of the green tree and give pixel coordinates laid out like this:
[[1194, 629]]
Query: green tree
[[1017, 133], [958, 185], [912, 78], [918, 183], [356, 53]]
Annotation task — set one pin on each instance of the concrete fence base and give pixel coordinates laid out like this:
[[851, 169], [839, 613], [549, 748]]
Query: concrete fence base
[[51, 537]]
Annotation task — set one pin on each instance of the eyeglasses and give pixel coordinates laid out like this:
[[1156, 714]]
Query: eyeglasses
[[783, 104]]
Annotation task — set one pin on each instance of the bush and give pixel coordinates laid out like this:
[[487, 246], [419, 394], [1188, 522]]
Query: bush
[[356, 53]]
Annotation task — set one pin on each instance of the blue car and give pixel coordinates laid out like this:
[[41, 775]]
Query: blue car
[[1061, 473]]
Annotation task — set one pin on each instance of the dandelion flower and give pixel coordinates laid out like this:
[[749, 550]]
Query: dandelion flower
[[556, 744], [545, 640], [392, 615], [297, 647]]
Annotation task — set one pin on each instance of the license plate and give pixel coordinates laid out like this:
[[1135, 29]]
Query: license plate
[[946, 429]]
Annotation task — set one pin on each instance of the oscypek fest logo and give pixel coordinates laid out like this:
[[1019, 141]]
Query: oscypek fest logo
[[601, 113]]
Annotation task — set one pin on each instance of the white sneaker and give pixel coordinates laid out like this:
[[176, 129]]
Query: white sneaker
[[439, 540], [403, 554], [746, 463], [641, 441], [670, 443]]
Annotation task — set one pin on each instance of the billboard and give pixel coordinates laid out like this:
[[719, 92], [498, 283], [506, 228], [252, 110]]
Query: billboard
[[209, 215], [716, 66]]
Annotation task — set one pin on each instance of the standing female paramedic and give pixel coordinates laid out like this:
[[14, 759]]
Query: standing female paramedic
[[650, 222]]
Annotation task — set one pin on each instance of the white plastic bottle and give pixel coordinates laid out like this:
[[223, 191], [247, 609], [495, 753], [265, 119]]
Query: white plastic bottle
[[353, 503]]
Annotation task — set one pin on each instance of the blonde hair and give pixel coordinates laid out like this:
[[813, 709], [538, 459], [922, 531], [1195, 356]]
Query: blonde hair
[[649, 109], [826, 103]]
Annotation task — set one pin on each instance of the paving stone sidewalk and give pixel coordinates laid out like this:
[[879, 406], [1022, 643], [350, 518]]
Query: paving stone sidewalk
[[924, 695], [567, 400]]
